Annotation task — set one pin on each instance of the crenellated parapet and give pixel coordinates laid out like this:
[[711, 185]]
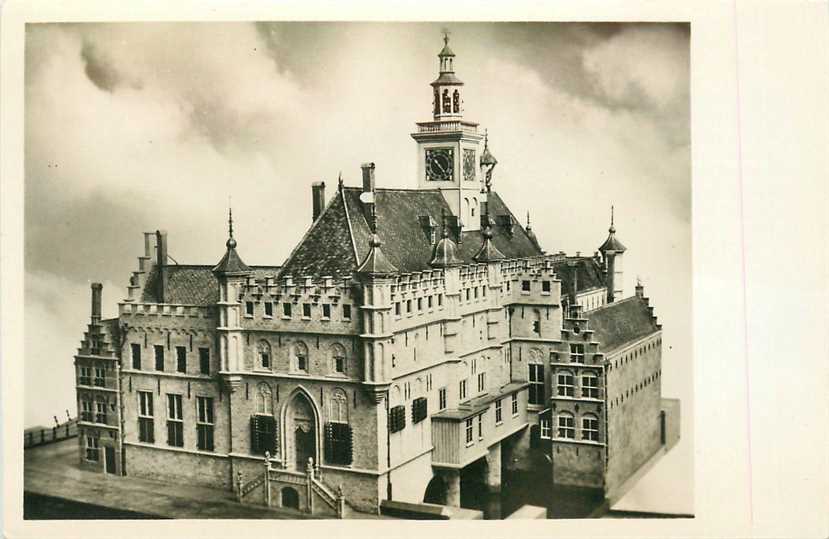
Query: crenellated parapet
[[299, 290], [422, 284], [154, 312]]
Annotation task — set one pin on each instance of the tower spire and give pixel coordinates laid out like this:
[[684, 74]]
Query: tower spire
[[612, 228]]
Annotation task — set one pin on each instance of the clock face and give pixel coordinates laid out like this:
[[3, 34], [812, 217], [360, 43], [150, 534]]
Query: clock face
[[440, 164], [469, 165]]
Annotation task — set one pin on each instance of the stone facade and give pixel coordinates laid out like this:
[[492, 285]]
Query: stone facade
[[386, 355]]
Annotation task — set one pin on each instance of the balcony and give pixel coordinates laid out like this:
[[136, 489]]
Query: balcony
[[464, 434], [450, 126]]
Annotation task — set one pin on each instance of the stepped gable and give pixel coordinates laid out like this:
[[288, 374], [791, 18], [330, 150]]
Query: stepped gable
[[194, 285], [589, 274], [405, 243], [616, 324]]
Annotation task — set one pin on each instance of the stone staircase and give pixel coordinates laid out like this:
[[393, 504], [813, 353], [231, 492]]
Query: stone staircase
[[311, 484]]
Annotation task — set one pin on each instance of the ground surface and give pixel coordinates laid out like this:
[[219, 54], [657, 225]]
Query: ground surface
[[56, 488]]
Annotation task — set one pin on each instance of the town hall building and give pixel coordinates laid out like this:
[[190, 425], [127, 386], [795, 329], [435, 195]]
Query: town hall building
[[410, 336]]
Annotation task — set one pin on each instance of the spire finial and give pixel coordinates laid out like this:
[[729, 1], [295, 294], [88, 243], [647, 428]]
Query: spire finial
[[340, 181], [445, 37], [230, 222], [444, 233], [529, 227], [231, 243], [486, 139], [612, 228]]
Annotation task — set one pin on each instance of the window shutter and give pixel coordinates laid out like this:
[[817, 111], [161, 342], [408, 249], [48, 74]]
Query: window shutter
[[349, 445], [329, 443], [254, 435]]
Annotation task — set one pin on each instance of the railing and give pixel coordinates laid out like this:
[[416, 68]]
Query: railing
[[310, 480], [441, 127], [41, 436]]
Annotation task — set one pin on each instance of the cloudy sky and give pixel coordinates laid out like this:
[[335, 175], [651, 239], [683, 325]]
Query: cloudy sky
[[135, 127]]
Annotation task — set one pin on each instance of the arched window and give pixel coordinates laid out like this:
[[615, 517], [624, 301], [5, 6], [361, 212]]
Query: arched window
[[447, 104], [566, 423], [299, 357], [465, 207], [590, 427], [338, 407], [338, 358], [264, 399], [474, 206], [264, 354], [456, 102]]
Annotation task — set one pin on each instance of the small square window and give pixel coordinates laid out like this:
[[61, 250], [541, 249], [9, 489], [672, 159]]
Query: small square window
[[286, 310], [346, 311], [269, 309], [525, 286], [306, 310], [248, 308], [545, 289], [326, 311]]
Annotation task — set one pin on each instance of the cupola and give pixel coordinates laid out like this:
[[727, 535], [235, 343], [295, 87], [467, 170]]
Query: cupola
[[231, 262], [444, 254]]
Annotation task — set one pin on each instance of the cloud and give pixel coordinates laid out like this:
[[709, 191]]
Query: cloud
[[144, 126]]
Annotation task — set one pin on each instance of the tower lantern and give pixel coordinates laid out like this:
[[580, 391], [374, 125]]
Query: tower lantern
[[446, 89]]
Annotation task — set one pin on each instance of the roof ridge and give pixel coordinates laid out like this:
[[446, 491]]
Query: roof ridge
[[611, 304], [404, 189]]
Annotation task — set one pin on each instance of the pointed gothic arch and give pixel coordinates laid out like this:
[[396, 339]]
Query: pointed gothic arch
[[300, 412]]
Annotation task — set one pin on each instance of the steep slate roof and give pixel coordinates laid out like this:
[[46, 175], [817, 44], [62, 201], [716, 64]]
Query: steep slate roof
[[328, 248], [589, 274], [193, 285], [231, 262], [619, 323]]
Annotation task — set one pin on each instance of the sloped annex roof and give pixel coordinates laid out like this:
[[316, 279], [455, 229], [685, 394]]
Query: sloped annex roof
[[589, 274], [340, 238], [193, 285], [621, 322]]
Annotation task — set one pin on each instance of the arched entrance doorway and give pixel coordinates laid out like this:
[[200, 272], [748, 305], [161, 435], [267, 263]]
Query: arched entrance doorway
[[436, 491], [301, 432], [290, 498]]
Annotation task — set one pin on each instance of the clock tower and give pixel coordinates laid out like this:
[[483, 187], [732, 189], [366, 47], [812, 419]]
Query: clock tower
[[448, 148]]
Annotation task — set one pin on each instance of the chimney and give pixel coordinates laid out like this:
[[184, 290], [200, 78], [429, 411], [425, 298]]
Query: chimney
[[610, 256], [574, 292], [161, 264], [367, 196], [368, 177], [317, 199], [640, 290], [96, 302]]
